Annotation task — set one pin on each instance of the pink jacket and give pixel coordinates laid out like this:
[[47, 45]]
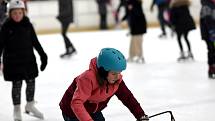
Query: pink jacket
[[84, 96]]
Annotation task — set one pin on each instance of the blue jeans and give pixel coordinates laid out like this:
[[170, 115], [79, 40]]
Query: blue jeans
[[98, 116]]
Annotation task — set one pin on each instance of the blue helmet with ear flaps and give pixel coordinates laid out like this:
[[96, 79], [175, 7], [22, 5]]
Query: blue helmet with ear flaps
[[111, 60]]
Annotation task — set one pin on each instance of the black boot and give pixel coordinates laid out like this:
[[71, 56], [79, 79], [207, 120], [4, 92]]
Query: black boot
[[211, 72], [69, 52], [182, 57], [163, 35], [190, 55]]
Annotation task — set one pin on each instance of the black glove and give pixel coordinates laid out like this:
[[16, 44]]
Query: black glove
[[144, 118], [43, 58]]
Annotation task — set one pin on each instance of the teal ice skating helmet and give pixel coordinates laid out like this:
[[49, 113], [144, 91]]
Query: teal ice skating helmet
[[111, 60]]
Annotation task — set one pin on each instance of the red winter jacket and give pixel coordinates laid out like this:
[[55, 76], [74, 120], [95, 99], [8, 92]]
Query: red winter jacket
[[84, 96]]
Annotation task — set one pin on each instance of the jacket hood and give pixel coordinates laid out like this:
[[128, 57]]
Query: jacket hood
[[92, 65]]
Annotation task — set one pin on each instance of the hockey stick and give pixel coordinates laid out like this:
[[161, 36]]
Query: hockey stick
[[170, 112]]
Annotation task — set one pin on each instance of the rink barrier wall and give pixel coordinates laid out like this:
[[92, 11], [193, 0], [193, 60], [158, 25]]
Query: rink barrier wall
[[43, 15]]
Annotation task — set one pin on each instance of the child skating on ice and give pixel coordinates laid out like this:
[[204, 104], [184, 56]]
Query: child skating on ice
[[17, 44], [91, 91]]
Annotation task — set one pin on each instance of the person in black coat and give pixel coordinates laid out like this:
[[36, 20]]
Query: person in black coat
[[137, 26], [17, 44], [65, 17], [207, 27], [102, 9], [183, 23]]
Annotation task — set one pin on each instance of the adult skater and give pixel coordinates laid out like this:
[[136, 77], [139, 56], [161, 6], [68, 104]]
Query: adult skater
[[207, 26], [138, 27], [163, 8], [90, 92], [183, 23], [17, 44], [103, 12], [65, 17]]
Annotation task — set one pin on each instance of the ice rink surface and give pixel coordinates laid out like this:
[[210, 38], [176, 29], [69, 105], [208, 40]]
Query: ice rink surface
[[160, 84]]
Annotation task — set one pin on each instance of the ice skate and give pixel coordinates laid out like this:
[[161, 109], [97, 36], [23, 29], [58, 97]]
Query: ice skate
[[162, 35], [211, 72], [140, 60], [182, 57], [211, 75], [17, 113], [32, 110], [130, 59], [190, 56], [68, 53], [172, 33]]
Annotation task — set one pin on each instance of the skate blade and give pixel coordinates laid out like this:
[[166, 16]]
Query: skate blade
[[17, 120], [68, 55], [211, 76], [186, 60], [65, 56], [31, 114]]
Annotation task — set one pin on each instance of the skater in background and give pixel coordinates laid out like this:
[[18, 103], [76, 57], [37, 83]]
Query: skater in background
[[65, 17], [122, 4], [91, 91], [17, 44], [102, 9], [137, 26], [3, 12], [163, 10], [207, 26], [183, 23]]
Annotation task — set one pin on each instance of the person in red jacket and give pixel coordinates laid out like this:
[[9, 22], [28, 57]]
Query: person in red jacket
[[90, 92]]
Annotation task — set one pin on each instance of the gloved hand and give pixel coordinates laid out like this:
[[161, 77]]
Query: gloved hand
[[144, 118], [43, 58]]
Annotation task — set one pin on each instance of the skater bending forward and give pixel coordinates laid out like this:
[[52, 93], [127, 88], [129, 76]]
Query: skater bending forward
[[90, 92], [17, 44]]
